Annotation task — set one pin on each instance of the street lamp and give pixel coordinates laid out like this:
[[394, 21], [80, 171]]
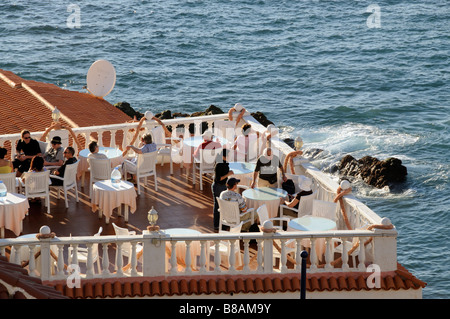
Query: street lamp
[[152, 219], [298, 143], [56, 115]]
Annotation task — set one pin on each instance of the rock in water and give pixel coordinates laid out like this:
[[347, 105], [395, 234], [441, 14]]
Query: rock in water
[[261, 118], [127, 109], [373, 171]]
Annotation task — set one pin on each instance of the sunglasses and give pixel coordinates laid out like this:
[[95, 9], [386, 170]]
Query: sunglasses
[[27, 138]]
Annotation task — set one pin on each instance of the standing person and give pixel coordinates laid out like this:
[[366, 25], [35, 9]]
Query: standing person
[[69, 153], [266, 170], [5, 165], [26, 148], [221, 173], [55, 155]]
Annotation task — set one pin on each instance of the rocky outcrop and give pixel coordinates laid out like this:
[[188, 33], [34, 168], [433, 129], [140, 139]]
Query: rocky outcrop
[[128, 110], [373, 171], [261, 118]]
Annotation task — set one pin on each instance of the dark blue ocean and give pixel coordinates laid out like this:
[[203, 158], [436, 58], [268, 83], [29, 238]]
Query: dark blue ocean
[[347, 76]]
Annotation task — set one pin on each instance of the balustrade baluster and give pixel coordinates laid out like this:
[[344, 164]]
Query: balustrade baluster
[[298, 257], [362, 255], [112, 143], [173, 258], [217, 257], [31, 261], [89, 264], [345, 266], [202, 257], [260, 255], [133, 259], [16, 254], [119, 260], [75, 255], [60, 260], [246, 256], [105, 261], [314, 259], [188, 260], [328, 253], [283, 258], [232, 256]]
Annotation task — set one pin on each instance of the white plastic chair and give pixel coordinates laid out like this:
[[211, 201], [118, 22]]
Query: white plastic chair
[[36, 184], [225, 246], [144, 167], [230, 214], [11, 181], [263, 215], [163, 144], [304, 206], [205, 163], [69, 182], [82, 253], [321, 208], [100, 170], [126, 247], [43, 146]]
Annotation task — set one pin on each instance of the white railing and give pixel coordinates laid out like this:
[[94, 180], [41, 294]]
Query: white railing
[[56, 259]]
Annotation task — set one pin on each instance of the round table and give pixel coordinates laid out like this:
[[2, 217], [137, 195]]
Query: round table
[[114, 154], [256, 197], [13, 209], [313, 223], [190, 144], [106, 196], [243, 171], [180, 247]]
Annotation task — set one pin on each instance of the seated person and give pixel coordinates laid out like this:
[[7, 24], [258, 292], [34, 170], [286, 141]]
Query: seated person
[[26, 148], [243, 144], [69, 153], [93, 149], [147, 147], [267, 167], [55, 155], [232, 194], [207, 143], [5, 165], [36, 166], [305, 189]]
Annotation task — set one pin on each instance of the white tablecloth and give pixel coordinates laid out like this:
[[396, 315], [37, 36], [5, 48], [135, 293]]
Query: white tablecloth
[[256, 197], [190, 144], [13, 210], [106, 197], [313, 223], [243, 171], [114, 154]]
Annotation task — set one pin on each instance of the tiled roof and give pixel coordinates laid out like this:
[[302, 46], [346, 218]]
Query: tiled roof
[[28, 104], [208, 285], [22, 284]]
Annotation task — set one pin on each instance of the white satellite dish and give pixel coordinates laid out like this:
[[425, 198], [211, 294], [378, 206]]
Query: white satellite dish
[[101, 78]]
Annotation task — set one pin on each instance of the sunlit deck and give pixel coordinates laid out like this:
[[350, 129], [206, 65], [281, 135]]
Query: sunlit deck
[[179, 203]]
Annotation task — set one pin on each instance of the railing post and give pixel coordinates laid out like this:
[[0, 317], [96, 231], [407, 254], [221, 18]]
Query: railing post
[[385, 250], [268, 253], [46, 262], [154, 253], [304, 255]]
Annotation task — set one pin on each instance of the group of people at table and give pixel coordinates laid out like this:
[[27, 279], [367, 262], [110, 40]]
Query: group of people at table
[[29, 158]]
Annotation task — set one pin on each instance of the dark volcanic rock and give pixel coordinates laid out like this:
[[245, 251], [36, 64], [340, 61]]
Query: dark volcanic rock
[[127, 109], [373, 171], [261, 118]]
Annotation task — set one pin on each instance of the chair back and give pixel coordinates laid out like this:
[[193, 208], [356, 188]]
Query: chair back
[[229, 212], [36, 183], [321, 208], [295, 180], [208, 158], [146, 163], [95, 247], [158, 135], [126, 247], [305, 205], [9, 179], [70, 174], [100, 168], [43, 146], [263, 214]]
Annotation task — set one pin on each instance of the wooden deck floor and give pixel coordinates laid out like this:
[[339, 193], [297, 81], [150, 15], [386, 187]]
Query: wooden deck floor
[[178, 202]]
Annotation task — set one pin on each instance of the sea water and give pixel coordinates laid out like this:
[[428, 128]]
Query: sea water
[[349, 77]]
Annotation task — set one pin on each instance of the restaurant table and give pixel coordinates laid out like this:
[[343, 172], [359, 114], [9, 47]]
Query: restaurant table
[[190, 144], [313, 223], [106, 196], [256, 197], [243, 171], [180, 247], [13, 209], [24, 253], [114, 154]]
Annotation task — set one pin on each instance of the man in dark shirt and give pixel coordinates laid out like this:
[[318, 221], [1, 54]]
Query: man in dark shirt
[[221, 173], [26, 149], [267, 167], [69, 153]]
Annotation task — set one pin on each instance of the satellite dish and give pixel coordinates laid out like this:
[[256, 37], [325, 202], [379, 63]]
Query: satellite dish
[[101, 78]]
